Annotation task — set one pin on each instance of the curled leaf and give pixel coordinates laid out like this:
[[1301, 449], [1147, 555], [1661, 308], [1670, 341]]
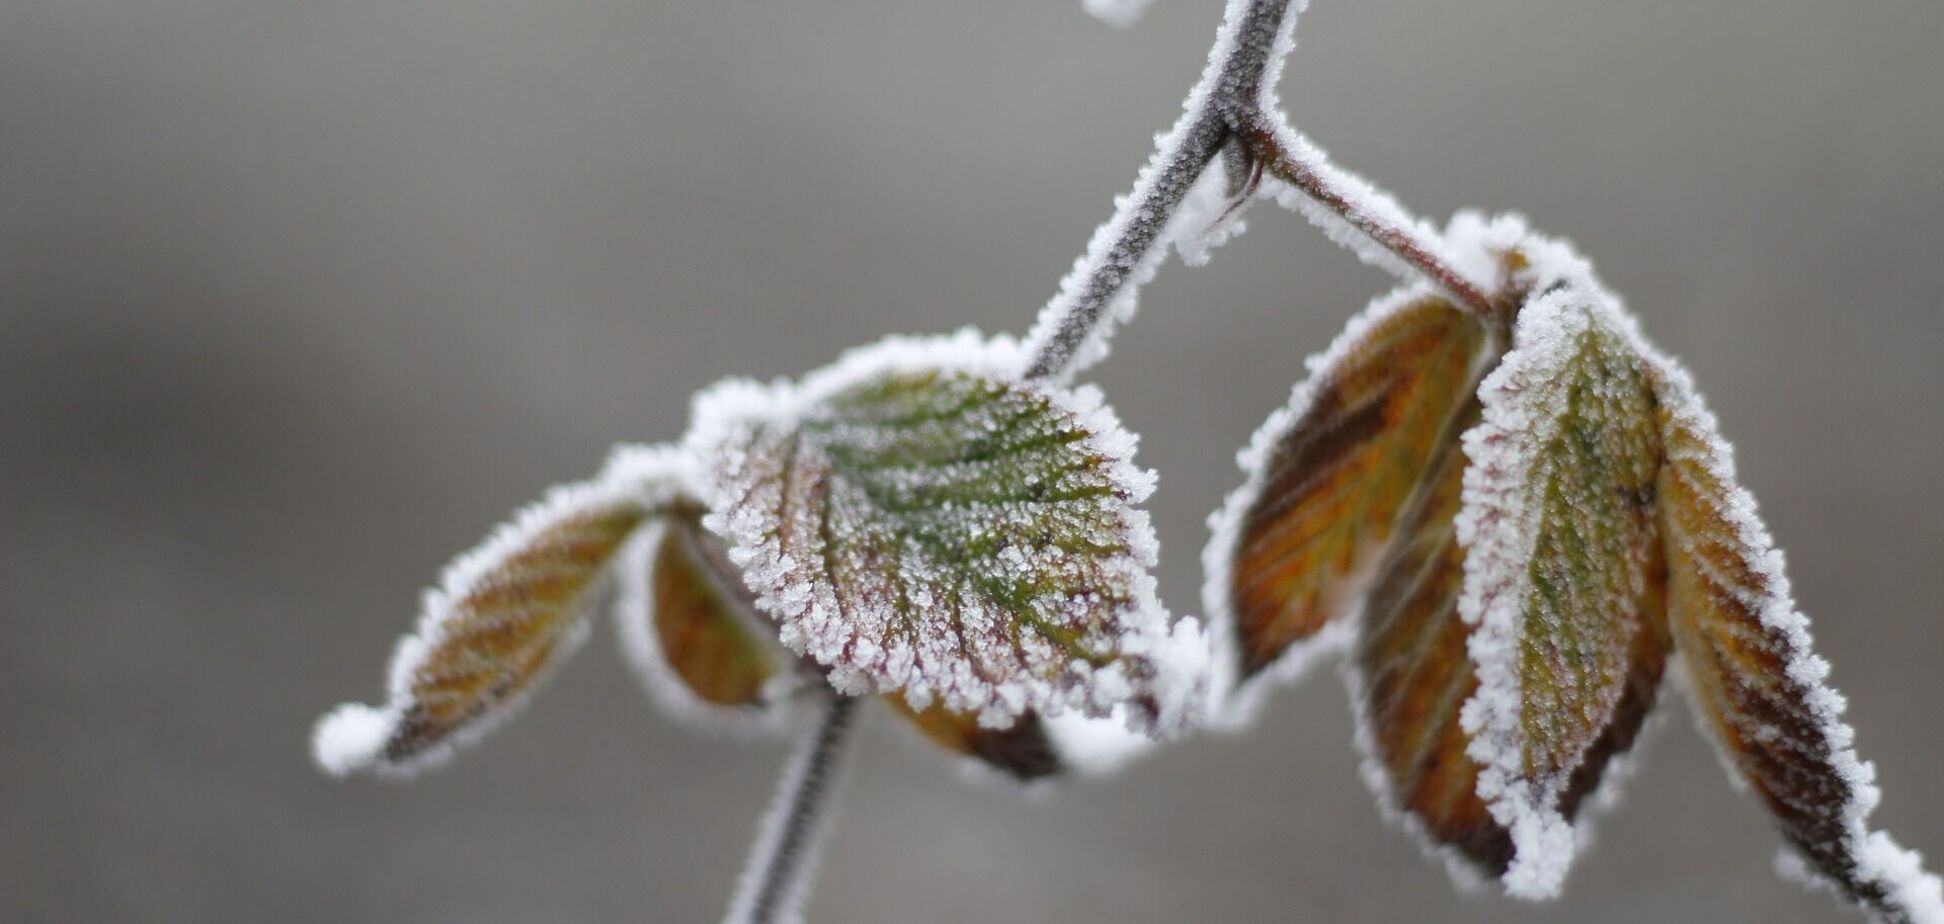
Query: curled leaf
[[1328, 475], [502, 615], [1563, 580], [915, 519], [691, 630], [1755, 682]]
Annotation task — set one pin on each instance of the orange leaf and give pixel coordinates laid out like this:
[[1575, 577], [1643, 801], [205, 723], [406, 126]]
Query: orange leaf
[[1756, 684], [1023, 750], [503, 614], [1331, 472]]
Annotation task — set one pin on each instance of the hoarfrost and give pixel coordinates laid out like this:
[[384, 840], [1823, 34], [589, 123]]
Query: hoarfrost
[[840, 496], [1500, 526], [641, 647], [1239, 701], [1100, 291], [1835, 847], [444, 695]]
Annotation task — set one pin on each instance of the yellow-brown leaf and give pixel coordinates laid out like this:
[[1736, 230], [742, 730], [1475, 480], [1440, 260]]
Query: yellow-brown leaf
[[1331, 485]]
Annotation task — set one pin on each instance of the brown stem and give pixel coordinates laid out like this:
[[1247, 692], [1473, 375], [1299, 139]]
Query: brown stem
[[1320, 180]]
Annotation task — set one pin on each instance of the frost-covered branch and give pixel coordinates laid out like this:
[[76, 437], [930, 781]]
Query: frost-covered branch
[[1233, 107], [777, 878]]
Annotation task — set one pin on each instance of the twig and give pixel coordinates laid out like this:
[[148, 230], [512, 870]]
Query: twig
[[783, 860], [1234, 101]]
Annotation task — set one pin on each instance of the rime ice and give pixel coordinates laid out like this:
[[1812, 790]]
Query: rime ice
[[916, 519]]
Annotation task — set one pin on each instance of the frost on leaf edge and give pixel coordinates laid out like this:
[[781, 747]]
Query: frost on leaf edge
[[642, 651], [352, 736], [1545, 842], [1567, 298], [1237, 701], [722, 411], [1879, 857]]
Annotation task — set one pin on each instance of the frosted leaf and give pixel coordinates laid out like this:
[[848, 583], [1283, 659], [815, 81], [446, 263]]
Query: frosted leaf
[[1074, 744], [1023, 751], [1326, 478], [1411, 675], [915, 519], [1563, 580], [502, 616], [1756, 683], [691, 631]]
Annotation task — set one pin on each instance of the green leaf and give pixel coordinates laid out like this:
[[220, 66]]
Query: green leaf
[[1563, 578], [917, 520], [705, 652]]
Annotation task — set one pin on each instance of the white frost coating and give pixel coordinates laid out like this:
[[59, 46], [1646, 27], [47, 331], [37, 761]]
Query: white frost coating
[[1117, 13], [1166, 163], [1498, 532], [1371, 767], [808, 612], [1919, 894], [1096, 747], [1182, 662], [353, 737], [1235, 706], [634, 580], [782, 865], [1208, 218], [349, 737], [1363, 198]]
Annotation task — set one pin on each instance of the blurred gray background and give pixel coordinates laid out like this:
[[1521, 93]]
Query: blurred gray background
[[297, 299]]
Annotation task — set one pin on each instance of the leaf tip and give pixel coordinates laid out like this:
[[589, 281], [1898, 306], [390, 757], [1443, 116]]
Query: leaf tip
[[351, 738]]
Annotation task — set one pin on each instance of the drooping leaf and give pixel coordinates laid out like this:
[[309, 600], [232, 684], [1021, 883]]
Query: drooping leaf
[[1412, 676], [691, 630], [1022, 750], [502, 615], [1756, 683], [1562, 570], [916, 519], [1327, 475]]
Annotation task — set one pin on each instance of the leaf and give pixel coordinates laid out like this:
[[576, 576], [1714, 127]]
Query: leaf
[[1755, 682], [1411, 676], [1022, 750], [916, 520], [1563, 581], [1328, 475], [502, 616], [691, 630]]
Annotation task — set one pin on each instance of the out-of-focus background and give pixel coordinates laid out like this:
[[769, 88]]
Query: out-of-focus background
[[298, 299]]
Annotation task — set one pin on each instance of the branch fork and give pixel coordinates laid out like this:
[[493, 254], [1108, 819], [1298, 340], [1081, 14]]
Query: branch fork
[[1233, 111]]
